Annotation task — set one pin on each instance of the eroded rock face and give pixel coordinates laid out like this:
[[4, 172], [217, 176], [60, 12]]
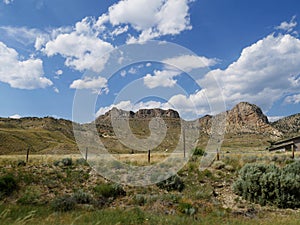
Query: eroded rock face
[[141, 114], [150, 113], [243, 118]]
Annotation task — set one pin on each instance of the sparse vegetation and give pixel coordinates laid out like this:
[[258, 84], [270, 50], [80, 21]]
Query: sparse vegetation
[[63, 203], [109, 190], [75, 190], [173, 183]]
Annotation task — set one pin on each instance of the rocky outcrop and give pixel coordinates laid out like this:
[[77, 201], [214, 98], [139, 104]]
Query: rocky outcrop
[[243, 118], [248, 118], [140, 114]]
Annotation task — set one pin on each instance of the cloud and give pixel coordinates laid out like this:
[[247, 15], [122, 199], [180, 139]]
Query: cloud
[[82, 47], [23, 35], [55, 89], [161, 78], [155, 20], [293, 99], [123, 73], [26, 74], [59, 72], [119, 30], [95, 84], [287, 26], [274, 118], [132, 70], [264, 72], [166, 77], [15, 116], [7, 2], [189, 107], [189, 62]]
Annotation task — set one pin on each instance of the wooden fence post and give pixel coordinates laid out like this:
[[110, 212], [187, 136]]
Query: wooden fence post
[[218, 155], [27, 154], [293, 151], [86, 153], [149, 156]]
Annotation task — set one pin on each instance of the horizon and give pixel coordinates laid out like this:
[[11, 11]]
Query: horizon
[[136, 110]]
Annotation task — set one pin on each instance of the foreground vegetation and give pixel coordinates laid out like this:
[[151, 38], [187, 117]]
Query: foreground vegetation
[[65, 190]]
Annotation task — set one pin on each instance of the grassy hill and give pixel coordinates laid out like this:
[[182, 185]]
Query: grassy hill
[[41, 135]]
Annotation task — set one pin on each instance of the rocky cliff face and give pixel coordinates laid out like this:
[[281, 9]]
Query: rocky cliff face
[[141, 114], [243, 118]]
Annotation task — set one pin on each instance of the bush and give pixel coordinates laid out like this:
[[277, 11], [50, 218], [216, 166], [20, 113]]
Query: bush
[[186, 208], [218, 165], [109, 190], [64, 203], [199, 151], [67, 162], [8, 185], [31, 196], [82, 197], [267, 184], [173, 183]]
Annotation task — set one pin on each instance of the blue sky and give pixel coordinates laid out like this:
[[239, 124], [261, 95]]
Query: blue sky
[[51, 49]]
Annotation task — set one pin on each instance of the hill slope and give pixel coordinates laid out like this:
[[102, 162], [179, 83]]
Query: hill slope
[[289, 126], [246, 128], [41, 135]]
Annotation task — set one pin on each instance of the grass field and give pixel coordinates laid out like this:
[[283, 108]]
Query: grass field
[[206, 199]]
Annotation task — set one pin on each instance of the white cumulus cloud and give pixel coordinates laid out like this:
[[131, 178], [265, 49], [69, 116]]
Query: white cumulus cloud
[[154, 20], [81, 47], [95, 84], [161, 78], [26, 74], [264, 72]]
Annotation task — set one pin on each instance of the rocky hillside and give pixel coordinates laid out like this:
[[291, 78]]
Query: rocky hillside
[[244, 118], [245, 124], [139, 125], [289, 126]]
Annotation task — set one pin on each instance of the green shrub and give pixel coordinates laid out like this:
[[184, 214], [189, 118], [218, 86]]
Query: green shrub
[[199, 151], [63, 204], [109, 190], [82, 197], [140, 200], [67, 162], [186, 208], [8, 185], [173, 183], [267, 184]]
